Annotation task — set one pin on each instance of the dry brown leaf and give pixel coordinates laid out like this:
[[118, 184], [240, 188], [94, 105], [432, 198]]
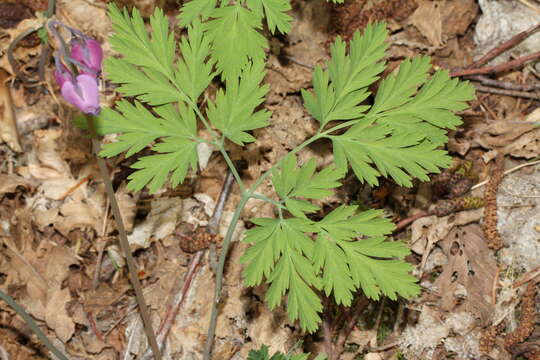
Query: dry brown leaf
[[9, 183], [8, 122], [517, 139], [427, 18], [42, 271], [467, 279]]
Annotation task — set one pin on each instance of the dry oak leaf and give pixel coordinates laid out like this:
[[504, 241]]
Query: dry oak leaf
[[467, 279]]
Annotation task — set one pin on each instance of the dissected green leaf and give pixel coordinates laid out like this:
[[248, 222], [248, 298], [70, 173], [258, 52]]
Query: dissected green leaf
[[235, 39], [292, 182], [372, 152], [132, 41], [194, 9], [194, 72], [276, 13], [339, 91], [177, 155], [396, 90], [285, 253], [233, 110], [429, 112], [138, 128], [281, 253]]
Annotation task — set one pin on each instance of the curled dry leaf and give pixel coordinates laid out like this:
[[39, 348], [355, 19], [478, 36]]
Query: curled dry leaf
[[8, 122], [519, 139]]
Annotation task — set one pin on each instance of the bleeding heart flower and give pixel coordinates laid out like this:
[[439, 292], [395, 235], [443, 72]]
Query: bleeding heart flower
[[78, 80], [82, 92], [88, 52]]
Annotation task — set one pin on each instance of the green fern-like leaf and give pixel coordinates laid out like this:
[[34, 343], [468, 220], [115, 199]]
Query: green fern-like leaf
[[132, 41], [194, 9], [235, 39], [275, 12], [339, 90], [400, 134], [194, 72], [147, 71], [284, 253], [373, 151], [336, 241], [294, 183], [281, 254], [232, 113]]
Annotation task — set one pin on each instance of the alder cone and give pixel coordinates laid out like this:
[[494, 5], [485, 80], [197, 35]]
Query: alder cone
[[200, 239]]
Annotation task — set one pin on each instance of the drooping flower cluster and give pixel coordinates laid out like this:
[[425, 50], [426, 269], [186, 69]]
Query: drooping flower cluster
[[78, 74]]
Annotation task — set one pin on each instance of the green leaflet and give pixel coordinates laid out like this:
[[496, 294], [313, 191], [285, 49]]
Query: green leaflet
[[285, 253], [235, 39], [262, 354], [339, 90], [276, 13], [281, 253], [374, 151], [400, 134], [233, 113]]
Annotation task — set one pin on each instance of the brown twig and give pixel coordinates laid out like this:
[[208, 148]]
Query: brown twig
[[495, 286], [327, 327], [384, 347], [503, 84], [513, 93], [509, 171], [528, 276], [92, 320], [497, 68], [405, 222], [11, 58], [75, 187], [174, 308], [504, 46]]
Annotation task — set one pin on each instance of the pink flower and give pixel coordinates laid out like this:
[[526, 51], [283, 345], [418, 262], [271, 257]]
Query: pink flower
[[82, 92], [62, 74], [88, 52]]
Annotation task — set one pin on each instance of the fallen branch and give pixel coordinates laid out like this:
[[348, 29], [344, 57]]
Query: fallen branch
[[503, 47], [497, 68], [503, 84], [513, 93]]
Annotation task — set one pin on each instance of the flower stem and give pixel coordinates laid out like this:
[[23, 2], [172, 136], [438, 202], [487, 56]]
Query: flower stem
[[30, 322], [124, 244]]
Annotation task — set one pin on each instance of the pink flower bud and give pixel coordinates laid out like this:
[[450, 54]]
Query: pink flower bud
[[82, 93], [88, 52]]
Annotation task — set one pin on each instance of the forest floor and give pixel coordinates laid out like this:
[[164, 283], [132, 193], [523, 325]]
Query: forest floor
[[474, 230]]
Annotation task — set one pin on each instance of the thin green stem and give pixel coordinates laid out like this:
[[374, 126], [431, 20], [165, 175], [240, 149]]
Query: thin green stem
[[219, 276], [267, 199], [124, 244], [51, 5], [230, 163], [30, 322]]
